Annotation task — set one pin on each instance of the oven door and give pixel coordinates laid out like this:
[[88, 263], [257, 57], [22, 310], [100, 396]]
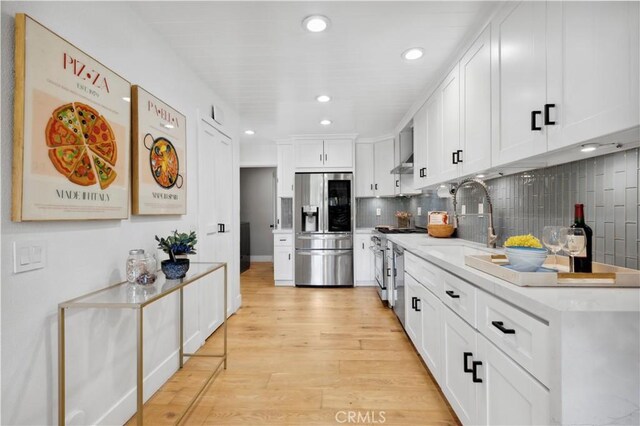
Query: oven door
[[380, 273]]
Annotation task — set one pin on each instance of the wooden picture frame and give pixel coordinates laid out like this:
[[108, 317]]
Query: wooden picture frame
[[159, 156], [71, 131]]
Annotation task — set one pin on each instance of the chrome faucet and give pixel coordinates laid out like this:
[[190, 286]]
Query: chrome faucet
[[491, 235]]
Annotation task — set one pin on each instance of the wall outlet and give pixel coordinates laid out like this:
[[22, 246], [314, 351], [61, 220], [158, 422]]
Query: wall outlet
[[378, 212], [463, 209], [419, 211], [28, 255], [480, 208]]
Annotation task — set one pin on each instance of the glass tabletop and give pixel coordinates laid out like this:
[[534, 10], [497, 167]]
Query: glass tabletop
[[127, 295]]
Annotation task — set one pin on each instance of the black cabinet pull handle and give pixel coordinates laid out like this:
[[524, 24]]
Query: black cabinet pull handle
[[533, 120], [372, 187], [362, 246], [388, 272], [397, 183], [452, 295], [376, 186], [474, 372], [500, 326], [453, 157], [413, 302], [289, 256], [320, 157], [466, 356], [423, 172], [417, 301], [325, 157], [459, 153], [547, 120]]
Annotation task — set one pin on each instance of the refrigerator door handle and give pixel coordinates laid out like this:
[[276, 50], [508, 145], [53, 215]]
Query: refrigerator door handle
[[323, 252]]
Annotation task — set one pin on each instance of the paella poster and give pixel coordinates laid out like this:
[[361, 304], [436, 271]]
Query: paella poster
[[159, 156], [72, 118]]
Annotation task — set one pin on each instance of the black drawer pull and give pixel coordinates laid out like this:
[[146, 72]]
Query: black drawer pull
[[459, 153], [453, 157], [388, 272], [533, 120], [397, 183], [466, 355], [548, 121], [417, 307], [452, 295], [413, 302], [500, 326], [474, 372]]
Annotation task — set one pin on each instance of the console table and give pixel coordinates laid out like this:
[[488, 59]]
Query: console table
[[135, 296]]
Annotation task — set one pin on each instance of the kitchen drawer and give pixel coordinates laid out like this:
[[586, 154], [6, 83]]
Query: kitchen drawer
[[460, 296], [283, 240], [424, 272], [524, 338]]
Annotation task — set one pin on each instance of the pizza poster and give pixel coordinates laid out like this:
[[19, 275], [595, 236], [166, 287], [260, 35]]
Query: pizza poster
[[159, 156], [72, 121]]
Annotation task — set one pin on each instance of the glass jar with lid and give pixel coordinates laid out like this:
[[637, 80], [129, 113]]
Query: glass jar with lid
[[135, 264]]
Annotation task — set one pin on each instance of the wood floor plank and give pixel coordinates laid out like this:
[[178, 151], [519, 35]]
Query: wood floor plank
[[306, 356]]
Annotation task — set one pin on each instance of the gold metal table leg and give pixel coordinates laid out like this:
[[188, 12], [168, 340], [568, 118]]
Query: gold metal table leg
[[61, 368], [181, 354], [140, 366], [224, 316]]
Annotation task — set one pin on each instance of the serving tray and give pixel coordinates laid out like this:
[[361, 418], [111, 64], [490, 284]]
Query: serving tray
[[555, 273]]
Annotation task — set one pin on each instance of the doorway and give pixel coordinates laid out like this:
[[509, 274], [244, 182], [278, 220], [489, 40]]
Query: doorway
[[258, 211]]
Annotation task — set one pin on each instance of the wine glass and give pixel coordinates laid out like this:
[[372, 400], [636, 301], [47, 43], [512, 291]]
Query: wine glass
[[575, 241], [553, 239]]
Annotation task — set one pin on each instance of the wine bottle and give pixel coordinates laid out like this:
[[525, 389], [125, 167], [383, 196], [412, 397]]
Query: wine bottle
[[582, 261]]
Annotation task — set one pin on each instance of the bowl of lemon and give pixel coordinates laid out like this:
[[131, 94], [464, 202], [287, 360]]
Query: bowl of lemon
[[525, 253]]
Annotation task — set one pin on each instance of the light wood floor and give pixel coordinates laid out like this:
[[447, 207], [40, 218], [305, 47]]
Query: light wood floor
[[302, 356]]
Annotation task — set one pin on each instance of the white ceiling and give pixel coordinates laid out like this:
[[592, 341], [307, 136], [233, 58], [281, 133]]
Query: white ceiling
[[258, 58]]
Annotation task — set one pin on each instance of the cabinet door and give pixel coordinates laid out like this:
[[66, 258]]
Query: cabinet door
[[363, 258], [420, 147], [508, 395], [519, 81], [450, 119], [430, 312], [434, 139], [338, 153], [592, 64], [364, 170], [285, 171], [459, 338], [475, 105], [283, 263], [384, 163], [412, 318], [308, 153]]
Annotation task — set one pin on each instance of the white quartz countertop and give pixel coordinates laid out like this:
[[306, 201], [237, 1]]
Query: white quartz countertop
[[283, 231], [543, 301]]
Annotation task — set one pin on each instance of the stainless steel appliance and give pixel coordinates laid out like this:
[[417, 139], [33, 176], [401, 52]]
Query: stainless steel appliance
[[397, 286], [379, 247], [323, 223]]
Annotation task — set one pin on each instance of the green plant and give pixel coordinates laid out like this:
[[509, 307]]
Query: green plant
[[178, 243]]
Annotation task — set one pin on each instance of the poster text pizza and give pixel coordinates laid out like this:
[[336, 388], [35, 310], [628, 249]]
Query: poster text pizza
[[163, 114], [67, 194], [80, 70]]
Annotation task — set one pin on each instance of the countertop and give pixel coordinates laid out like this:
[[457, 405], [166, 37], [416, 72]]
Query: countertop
[[283, 231], [545, 302]]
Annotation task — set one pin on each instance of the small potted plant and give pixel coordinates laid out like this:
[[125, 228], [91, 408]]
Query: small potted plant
[[177, 246]]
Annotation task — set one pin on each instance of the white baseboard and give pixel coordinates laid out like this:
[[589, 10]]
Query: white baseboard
[[366, 284], [124, 408], [285, 284], [261, 258]]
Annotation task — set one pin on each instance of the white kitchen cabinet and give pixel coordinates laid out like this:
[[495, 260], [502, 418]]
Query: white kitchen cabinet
[[285, 171], [412, 319], [430, 309], [420, 147], [475, 105], [338, 153], [283, 263], [434, 139], [592, 69], [449, 143], [519, 81], [383, 154], [365, 176], [308, 153], [363, 260], [508, 395]]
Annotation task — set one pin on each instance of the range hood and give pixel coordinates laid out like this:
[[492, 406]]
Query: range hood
[[404, 153]]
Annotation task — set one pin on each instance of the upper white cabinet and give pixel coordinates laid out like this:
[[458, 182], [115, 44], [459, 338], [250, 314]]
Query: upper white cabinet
[[365, 176], [432, 149], [519, 81], [285, 171], [449, 149], [475, 106], [328, 153], [420, 147], [383, 154], [592, 70]]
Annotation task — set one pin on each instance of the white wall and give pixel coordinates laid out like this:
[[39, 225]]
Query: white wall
[[84, 256], [263, 154]]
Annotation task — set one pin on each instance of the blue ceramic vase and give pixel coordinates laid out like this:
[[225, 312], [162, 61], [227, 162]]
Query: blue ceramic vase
[[175, 269]]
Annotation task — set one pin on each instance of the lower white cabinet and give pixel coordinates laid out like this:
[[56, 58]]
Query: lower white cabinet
[[363, 260], [283, 258], [430, 309]]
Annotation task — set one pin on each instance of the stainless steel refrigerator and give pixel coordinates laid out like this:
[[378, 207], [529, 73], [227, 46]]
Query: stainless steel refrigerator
[[323, 224]]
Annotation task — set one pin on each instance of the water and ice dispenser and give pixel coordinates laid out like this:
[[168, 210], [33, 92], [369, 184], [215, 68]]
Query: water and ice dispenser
[[310, 218]]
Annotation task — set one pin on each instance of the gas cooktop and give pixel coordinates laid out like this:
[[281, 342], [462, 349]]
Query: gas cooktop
[[387, 230]]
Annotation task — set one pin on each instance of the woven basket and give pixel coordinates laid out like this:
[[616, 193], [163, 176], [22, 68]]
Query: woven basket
[[441, 231]]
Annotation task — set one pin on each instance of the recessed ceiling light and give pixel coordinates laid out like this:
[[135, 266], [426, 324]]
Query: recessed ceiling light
[[413, 53], [590, 147], [325, 122], [480, 176], [249, 132], [126, 99], [315, 23], [323, 98]]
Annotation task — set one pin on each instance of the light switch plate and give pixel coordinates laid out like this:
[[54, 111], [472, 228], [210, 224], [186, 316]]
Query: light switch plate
[[463, 210], [28, 255], [419, 211], [378, 212], [480, 208]]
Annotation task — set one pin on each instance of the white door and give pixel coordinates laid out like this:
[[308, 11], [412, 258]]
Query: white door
[[412, 318], [450, 156], [364, 170], [519, 81], [420, 147], [430, 311], [283, 263], [364, 259], [458, 346], [508, 394], [384, 185], [285, 171], [308, 153], [338, 153], [592, 63], [475, 105], [434, 139]]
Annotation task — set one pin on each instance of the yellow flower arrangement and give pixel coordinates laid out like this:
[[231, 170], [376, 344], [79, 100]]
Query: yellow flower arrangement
[[523, 241]]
